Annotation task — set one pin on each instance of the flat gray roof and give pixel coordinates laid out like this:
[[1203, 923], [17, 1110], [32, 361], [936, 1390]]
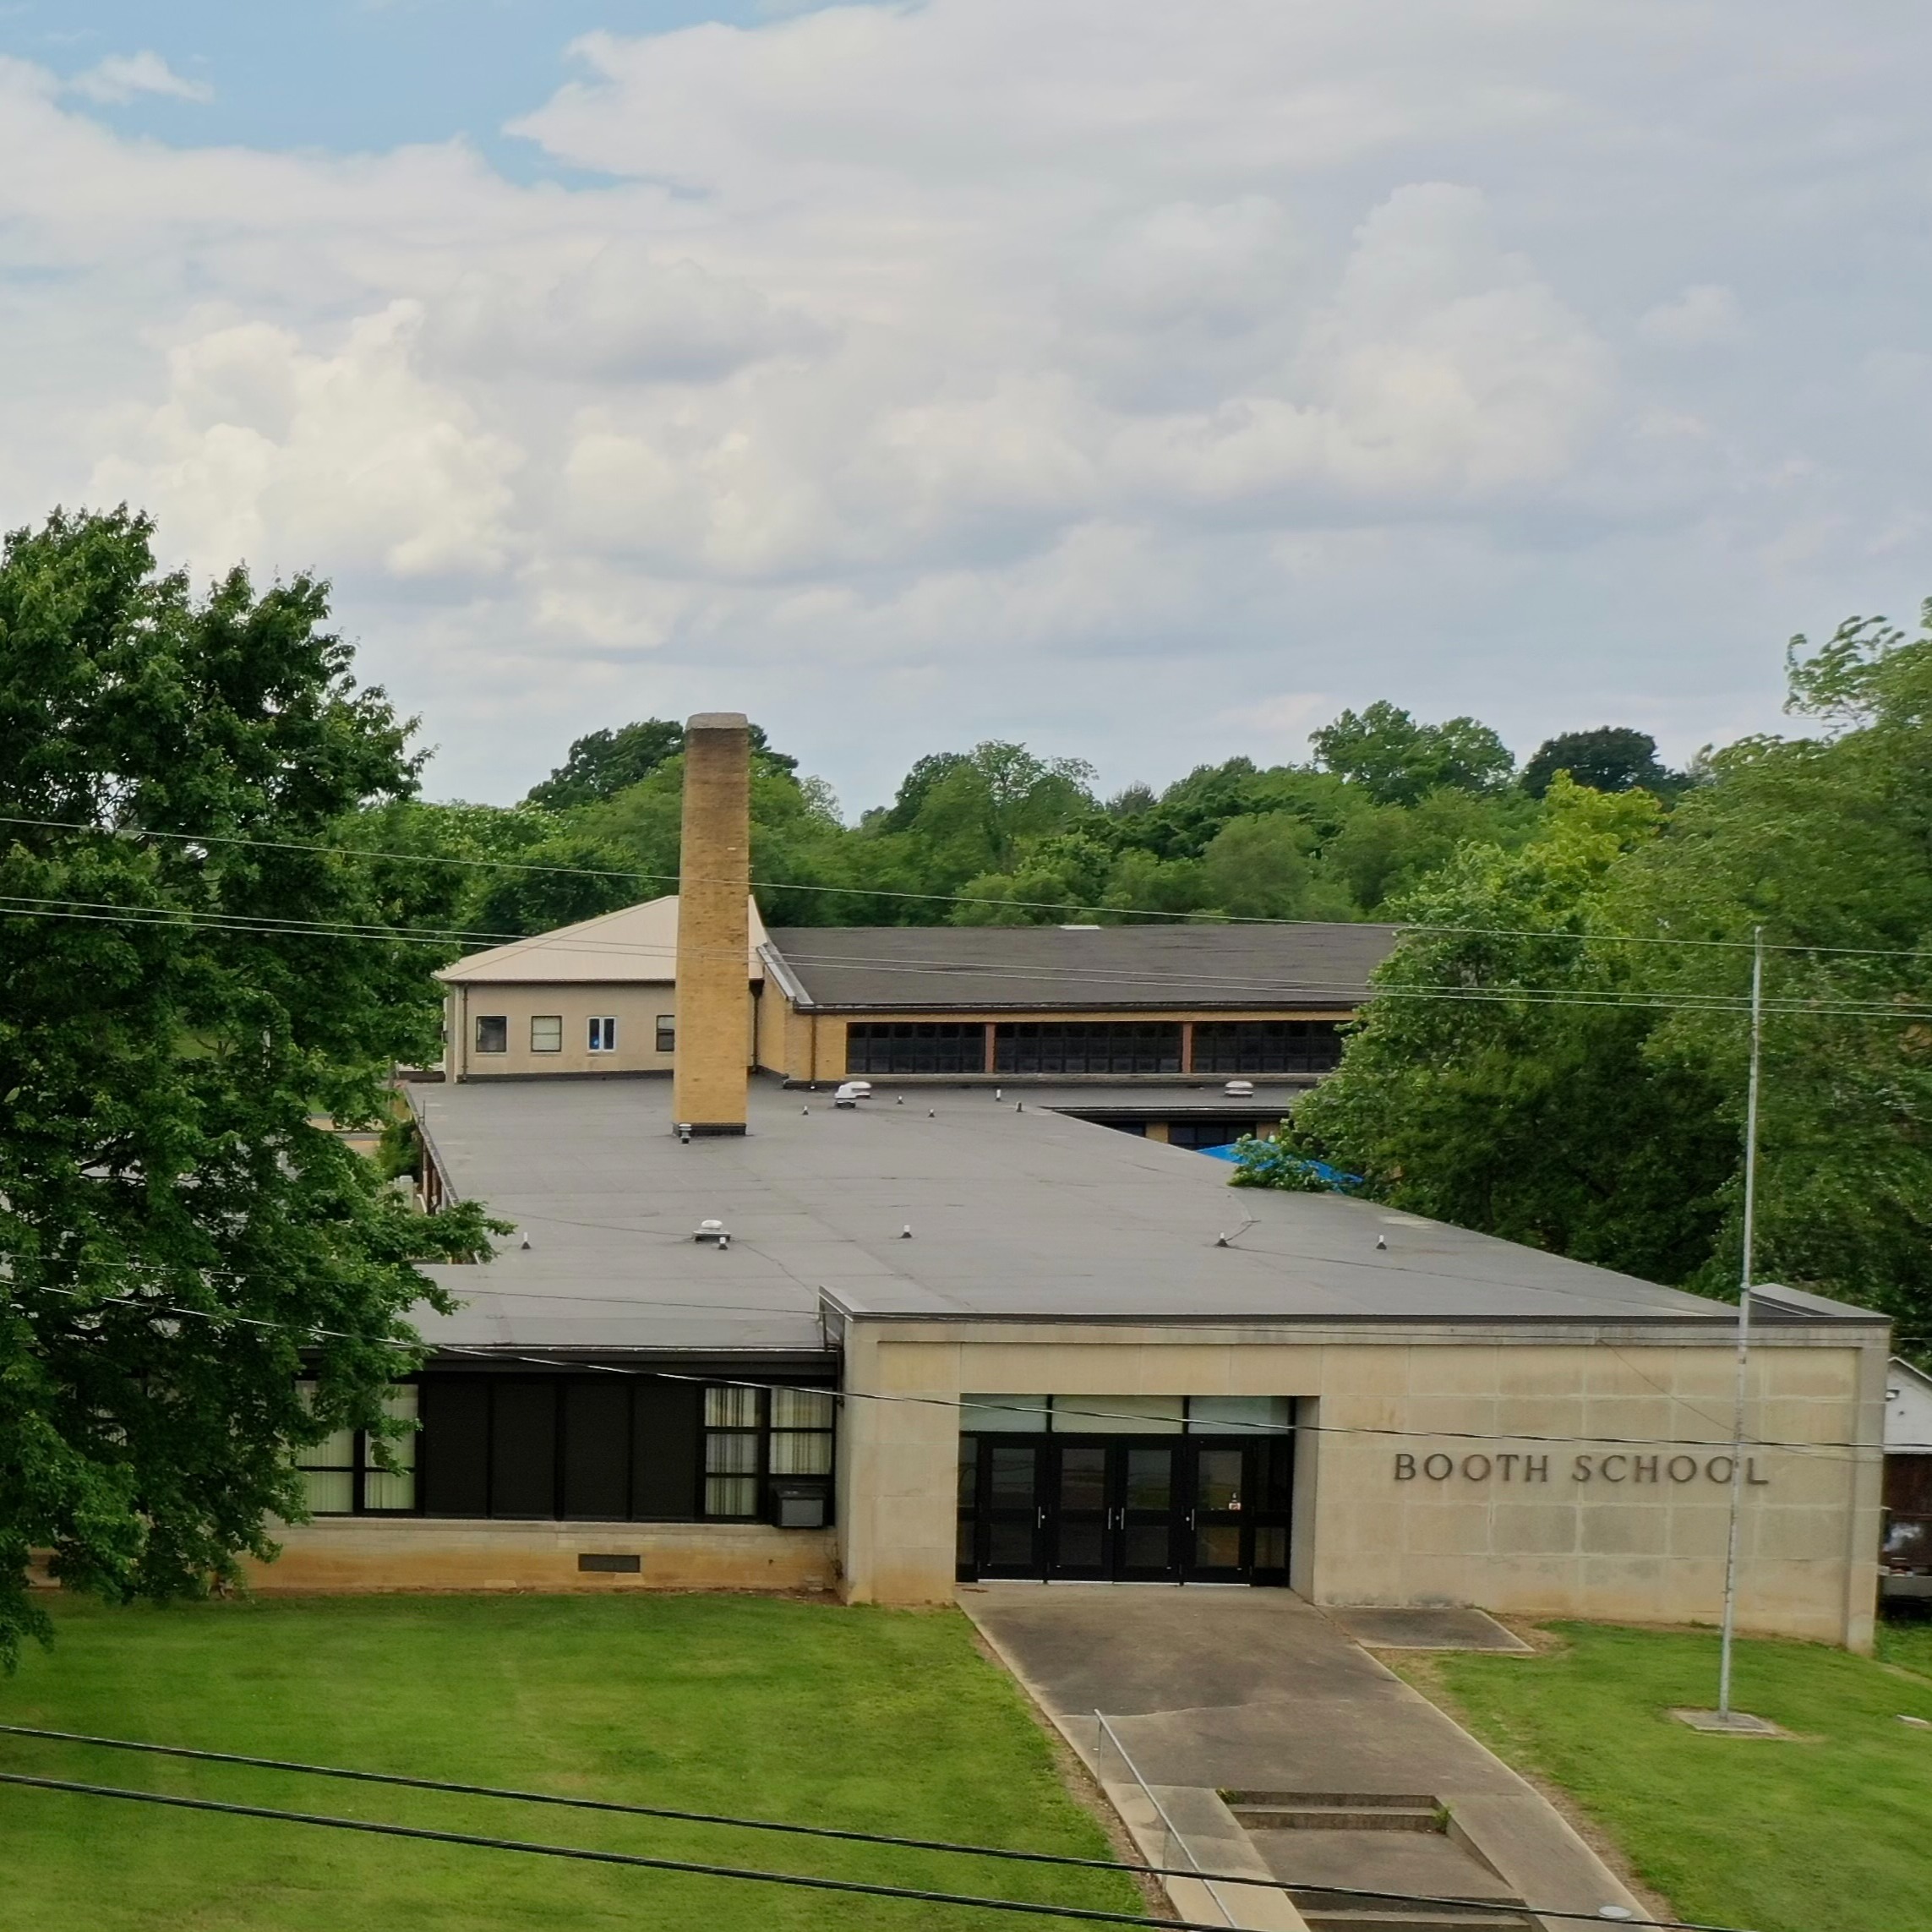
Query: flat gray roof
[[977, 969], [1015, 1213]]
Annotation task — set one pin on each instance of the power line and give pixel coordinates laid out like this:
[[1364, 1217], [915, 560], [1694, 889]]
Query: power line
[[836, 1833], [307, 1335], [1151, 913], [1715, 1003], [633, 1860], [485, 1287]]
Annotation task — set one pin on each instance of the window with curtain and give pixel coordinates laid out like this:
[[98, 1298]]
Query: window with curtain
[[393, 1489], [801, 1431], [341, 1476], [327, 1469], [733, 1440], [547, 1032]]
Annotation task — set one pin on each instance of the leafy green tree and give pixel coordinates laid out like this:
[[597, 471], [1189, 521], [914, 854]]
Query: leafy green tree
[[1826, 842], [799, 844], [601, 764], [1497, 1081], [456, 853], [961, 815], [176, 1239], [1063, 878], [902, 814], [1385, 850], [1131, 801], [1611, 759], [1586, 1094], [1397, 761], [565, 879], [1258, 867], [1140, 885]]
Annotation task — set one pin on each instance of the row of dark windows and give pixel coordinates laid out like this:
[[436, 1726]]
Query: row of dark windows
[[1266, 1047], [1091, 1046], [581, 1448], [1086, 1046], [915, 1046]]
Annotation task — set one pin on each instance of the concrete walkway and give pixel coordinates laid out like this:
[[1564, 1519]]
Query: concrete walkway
[[1276, 1744]]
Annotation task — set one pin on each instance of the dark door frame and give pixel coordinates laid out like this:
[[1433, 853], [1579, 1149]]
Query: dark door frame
[[1062, 1508]]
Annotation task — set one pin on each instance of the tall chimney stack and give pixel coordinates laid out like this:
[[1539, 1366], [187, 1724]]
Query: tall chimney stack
[[714, 938]]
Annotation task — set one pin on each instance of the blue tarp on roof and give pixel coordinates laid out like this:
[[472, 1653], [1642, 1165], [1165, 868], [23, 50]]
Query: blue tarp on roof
[[1330, 1176]]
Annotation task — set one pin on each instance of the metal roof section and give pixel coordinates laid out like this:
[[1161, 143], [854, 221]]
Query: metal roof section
[[635, 943], [980, 968], [1016, 1213]]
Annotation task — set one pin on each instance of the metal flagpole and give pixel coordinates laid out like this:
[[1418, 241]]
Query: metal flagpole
[[1744, 1326]]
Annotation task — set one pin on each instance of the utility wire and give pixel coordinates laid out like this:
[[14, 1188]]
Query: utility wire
[[950, 898], [1273, 991], [307, 1336], [633, 1859], [953, 1846]]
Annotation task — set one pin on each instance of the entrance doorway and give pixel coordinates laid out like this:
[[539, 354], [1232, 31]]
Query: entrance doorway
[[1088, 1508]]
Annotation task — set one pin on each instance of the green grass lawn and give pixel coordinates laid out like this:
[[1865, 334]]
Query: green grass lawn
[[882, 1720], [1831, 1833]]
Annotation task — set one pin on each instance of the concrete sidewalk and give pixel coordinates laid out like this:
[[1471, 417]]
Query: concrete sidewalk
[[1276, 1744]]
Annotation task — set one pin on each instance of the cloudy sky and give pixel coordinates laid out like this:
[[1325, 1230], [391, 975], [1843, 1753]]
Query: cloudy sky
[[1146, 382]]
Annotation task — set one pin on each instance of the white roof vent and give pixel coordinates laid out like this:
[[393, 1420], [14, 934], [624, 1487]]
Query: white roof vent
[[1080, 929], [850, 1092], [1238, 1089]]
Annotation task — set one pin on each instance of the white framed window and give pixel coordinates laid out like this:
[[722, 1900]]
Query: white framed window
[[604, 1033], [547, 1032]]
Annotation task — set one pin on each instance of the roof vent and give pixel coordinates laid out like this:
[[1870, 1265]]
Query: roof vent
[[850, 1092], [1238, 1089], [711, 1230], [1080, 929]]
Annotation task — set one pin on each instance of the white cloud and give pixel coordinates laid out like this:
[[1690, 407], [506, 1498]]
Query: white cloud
[[1051, 368], [266, 452], [120, 78], [1704, 313]]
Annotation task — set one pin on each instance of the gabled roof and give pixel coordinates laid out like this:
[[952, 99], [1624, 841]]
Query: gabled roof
[[636, 943], [975, 968]]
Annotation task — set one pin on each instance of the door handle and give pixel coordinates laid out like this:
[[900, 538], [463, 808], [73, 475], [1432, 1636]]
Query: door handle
[[1040, 1517]]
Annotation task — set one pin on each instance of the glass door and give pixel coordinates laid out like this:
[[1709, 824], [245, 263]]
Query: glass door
[[1091, 1508], [1148, 1532], [1012, 1515], [1217, 1532], [1080, 1520]]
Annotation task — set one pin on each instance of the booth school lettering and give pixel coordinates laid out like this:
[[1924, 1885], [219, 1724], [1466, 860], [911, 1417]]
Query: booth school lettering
[[1510, 1466]]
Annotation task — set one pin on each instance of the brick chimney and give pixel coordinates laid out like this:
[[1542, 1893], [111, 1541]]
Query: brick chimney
[[714, 939]]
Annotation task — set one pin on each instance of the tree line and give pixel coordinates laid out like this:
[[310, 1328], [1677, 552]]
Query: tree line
[[998, 834]]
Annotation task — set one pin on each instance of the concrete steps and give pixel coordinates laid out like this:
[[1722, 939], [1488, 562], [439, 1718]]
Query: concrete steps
[[1450, 1872], [1323, 1914], [1336, 1811]]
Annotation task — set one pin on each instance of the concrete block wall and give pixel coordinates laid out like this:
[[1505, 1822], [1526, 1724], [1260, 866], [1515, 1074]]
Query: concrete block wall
[[365, 1554], [1467, 1499]]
